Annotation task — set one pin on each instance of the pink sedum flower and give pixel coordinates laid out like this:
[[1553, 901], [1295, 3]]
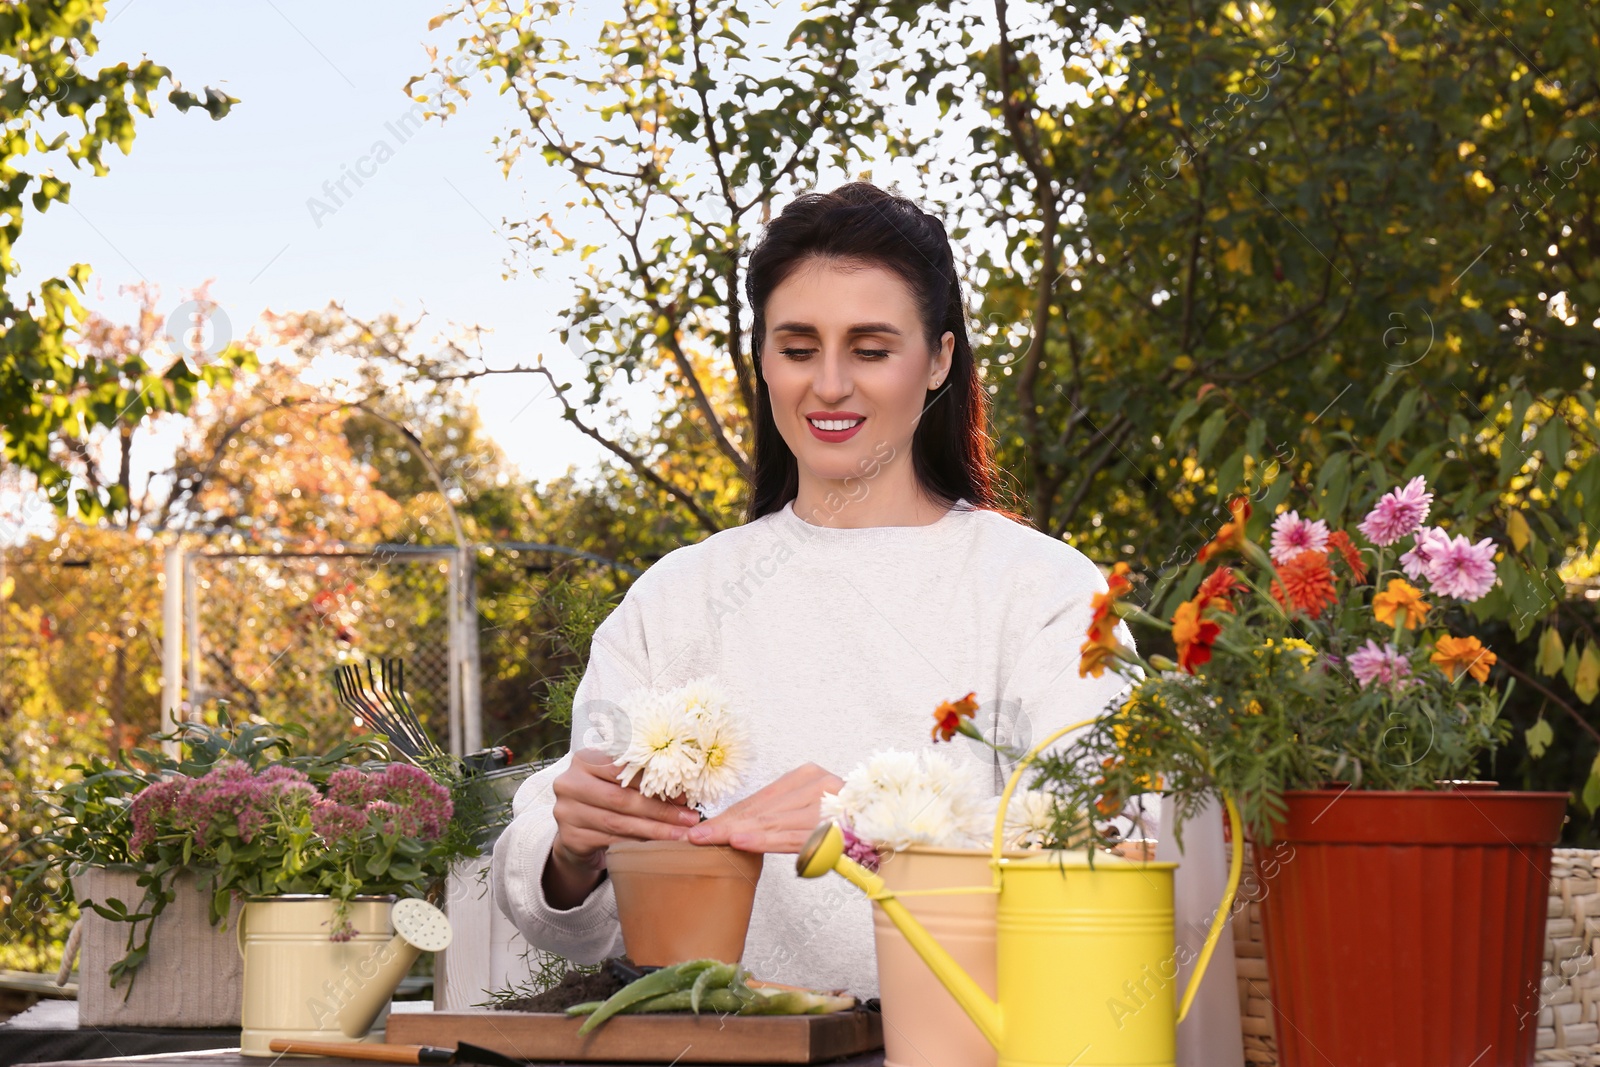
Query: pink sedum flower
[[1397, 513], [1292, 535], [1380, 664], [153, 803], [336, 822], [860, 850], [1456, 567]]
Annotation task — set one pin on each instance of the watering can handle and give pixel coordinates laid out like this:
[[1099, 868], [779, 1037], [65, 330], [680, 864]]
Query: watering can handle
[[1235, 865]]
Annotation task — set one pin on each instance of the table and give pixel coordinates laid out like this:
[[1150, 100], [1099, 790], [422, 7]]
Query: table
[[231, 1058], [49, 1032]]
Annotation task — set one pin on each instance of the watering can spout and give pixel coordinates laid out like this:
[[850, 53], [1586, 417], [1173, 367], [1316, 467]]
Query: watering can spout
[[419, 927], [824, 852]]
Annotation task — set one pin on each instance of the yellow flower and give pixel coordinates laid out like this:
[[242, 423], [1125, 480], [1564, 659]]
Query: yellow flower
[[1454, 653], [1403, 599]]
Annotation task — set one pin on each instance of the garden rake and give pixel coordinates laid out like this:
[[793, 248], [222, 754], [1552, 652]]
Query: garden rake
[[380, 702]]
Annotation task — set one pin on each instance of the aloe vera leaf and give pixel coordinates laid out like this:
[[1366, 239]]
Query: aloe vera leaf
[[712, 977], [666, 980], [588, 1007], [794, 1002], [716, 1000]]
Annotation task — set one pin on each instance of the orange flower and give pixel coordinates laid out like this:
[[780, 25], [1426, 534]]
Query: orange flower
[[1308, 582], [950, 717], [1102, 644], [1231, 536], [1109, 803], [1454, 653], [1193, 635], [1403, 599], [1219, 585], [1095, 653], [1340, 541]]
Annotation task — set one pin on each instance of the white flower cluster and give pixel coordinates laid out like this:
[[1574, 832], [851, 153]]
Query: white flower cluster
[[685, 742], [1030, 818], [896, 799]]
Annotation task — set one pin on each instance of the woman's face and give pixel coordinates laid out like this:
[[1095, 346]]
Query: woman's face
[[847, 367]]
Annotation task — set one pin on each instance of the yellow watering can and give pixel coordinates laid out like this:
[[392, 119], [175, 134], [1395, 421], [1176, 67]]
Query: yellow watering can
[[1086, 955]]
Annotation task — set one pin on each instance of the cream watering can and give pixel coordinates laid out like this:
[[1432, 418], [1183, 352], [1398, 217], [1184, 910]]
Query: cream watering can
[[1087, 958], [299, 985]]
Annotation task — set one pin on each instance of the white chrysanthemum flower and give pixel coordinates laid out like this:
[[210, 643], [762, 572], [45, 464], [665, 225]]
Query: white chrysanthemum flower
[[725, 756], [1030, 819], [896, 800], [702, 700], [685, 742]]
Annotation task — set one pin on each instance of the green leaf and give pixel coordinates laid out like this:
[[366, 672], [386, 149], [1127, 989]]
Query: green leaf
[[1400, 420], [1231, 473], [1591, 788], [1569, 666], [1538, 737], [1551, 652], [1333, 483], [1210, 430], [1587, 685]]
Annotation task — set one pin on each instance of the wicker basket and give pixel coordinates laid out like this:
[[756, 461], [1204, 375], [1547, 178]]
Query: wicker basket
[[1569, 1014], [193, 976]]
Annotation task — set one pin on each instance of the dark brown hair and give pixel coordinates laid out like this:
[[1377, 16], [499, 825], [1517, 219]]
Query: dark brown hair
[[952, 454]]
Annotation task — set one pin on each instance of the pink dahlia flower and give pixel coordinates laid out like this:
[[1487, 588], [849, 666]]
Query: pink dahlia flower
[[1382, 664], [1292, 535], [1397, 513], [1458, 568], [1429, 541]]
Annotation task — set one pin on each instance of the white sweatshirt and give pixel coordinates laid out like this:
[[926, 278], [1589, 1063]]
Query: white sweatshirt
[[837, 643]]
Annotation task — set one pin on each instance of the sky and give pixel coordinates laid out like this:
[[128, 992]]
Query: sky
[[250, 203], [253, 205]]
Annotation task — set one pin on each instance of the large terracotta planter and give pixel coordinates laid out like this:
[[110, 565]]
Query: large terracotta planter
[[677, 901], [922, 1025], [1407, 928], [192, 977]]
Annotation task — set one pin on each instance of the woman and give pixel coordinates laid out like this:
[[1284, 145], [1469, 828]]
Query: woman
[[874, 579]]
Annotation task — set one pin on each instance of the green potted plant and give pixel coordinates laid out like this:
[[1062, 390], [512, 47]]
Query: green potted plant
[[1321, 684], [162, 852]]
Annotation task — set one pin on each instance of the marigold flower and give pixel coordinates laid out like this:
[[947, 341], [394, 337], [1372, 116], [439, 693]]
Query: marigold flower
[[1109, 802], [1102, 644], [1452, 654], [1307, 584], [950, 717], [1193, 635], [1219, 585], [1340, 542], [1231, 537], [1401, 599], [1096, 653]]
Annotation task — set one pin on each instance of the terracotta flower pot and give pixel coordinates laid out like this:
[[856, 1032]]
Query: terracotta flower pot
[[677, 901], [1407, 928], [922, 1025]]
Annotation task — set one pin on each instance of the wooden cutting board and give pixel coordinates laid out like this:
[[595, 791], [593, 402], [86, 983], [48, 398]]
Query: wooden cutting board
[[681, 1037]]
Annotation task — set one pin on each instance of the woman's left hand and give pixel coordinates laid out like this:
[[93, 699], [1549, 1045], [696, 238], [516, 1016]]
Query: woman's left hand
[[776, 818]]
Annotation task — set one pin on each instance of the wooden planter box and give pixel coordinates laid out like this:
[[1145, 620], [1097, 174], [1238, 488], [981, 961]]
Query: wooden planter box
[[193, 976]]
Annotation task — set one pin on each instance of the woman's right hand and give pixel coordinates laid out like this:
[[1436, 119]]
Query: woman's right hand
[[592, 811]]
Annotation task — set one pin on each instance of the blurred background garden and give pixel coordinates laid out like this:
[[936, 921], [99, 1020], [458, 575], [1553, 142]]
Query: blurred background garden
[[1210, 249]]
